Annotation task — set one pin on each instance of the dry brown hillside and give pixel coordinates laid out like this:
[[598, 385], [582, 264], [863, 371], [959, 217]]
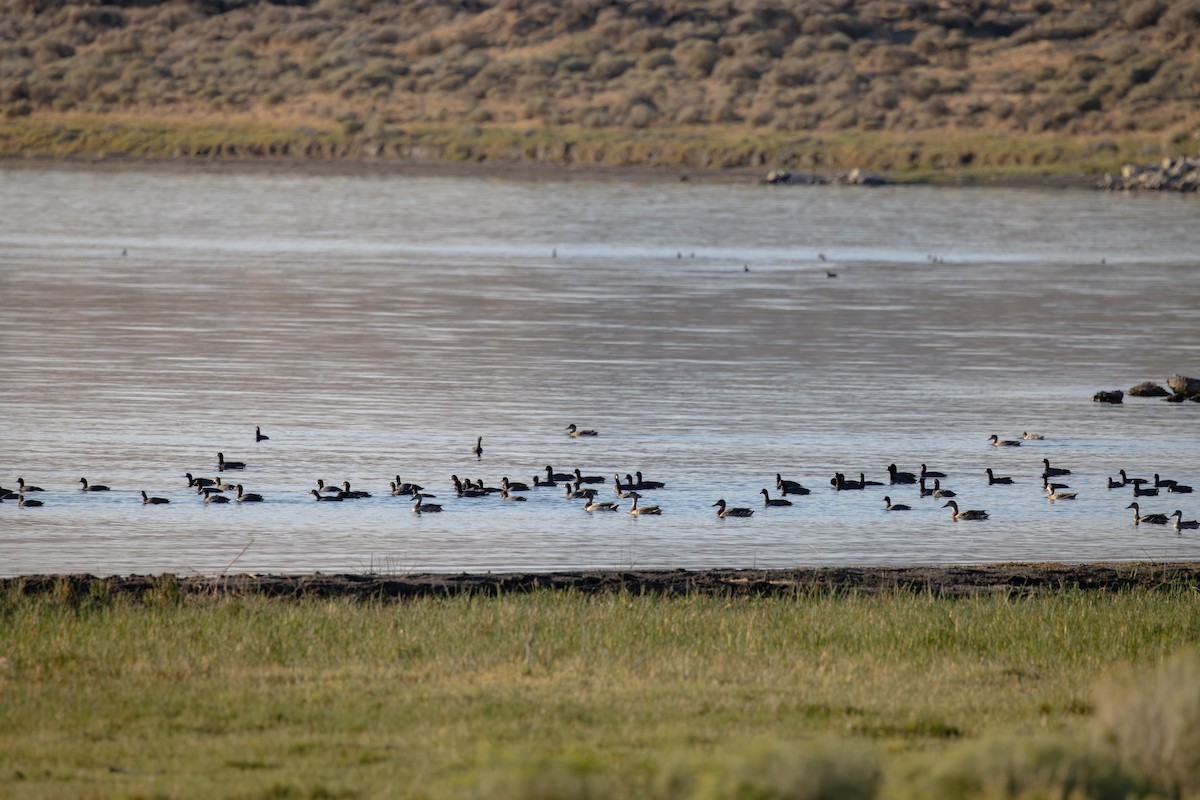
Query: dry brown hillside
[[761, 66]]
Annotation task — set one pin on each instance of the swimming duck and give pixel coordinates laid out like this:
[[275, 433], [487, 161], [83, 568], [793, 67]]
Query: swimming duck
[[576, 492], [789, 487], [147, 500], [863, 482], [247, 497], [581, 478], [896, 477], [1053, 495], [23, 503], [1050, 471], [723, 512], [1113, 484], [8, 494], [1165, 483], [259, 436], [220, 498], [592, 505], [939, 492], [92, 487], [1149, 519], [197, 481], [992, 479], [623, 492], [553, 476], [406, 487], [328, 488], [888, 505], [644, 484], [1027, 435], [223, 465], [222, 485], [840, 483], [1181, 523], [415, 493], [511, 498], [327, 498], [1138, 491], [1126, 480], [538, 483], [923, 490], [926, 473], [349, 494], [512, 486], [1048, 484], [956, 515], [577, 432], [773, 501], [421, 507], [644, 511], [1179, 488], [24, 488], [478, 448], [998, 442]]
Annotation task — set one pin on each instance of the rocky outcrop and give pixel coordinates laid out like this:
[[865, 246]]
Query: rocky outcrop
[[1148, 389], [1185, 386], [1115, 396], [1172, 175]]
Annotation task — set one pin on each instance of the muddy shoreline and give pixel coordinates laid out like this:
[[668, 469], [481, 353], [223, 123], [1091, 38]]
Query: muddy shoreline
[[516, 171], [942, 581]]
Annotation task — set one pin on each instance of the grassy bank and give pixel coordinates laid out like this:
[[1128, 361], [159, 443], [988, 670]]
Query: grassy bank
[[566, 695], [928, 156]]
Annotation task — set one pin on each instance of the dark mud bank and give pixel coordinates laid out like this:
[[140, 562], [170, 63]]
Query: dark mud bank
[[951, 581]]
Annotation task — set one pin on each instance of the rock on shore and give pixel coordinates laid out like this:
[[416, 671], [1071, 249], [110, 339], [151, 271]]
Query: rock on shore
[[1172, 175]]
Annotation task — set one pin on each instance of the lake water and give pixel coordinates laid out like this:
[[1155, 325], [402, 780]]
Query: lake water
[[375, 325]]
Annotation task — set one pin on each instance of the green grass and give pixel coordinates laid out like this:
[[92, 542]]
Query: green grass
[[910, 157], [548, 694]]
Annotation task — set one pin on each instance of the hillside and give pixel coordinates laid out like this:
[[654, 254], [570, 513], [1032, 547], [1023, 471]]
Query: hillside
[[701, 82]]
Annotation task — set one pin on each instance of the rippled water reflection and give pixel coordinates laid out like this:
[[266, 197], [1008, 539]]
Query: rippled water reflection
[[374, 325]]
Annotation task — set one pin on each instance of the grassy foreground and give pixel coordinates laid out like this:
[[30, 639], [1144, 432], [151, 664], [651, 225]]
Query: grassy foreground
[[559, 695]]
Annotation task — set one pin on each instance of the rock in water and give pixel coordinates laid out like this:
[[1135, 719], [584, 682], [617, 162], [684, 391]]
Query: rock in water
[[1148, 389], [1185, 386]]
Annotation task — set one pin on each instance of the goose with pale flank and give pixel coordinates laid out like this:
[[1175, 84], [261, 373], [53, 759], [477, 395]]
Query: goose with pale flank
[[421, 507], [998, 442], [327, 498], [897, 477], [623, 492], [888, 505], [247, 497], [219, 498], [92, 487], [592, 505], [789, 487], [23, 503], [1050, 471], [957, 515], [259, 436], [773, 501], [1149, 519], [223, 465], [939, 492], [1181, 523], [511, 498], [644, 511], [25, 488], [1053, 495], [723, 511], [574, 432], [1003, 480], [328, 488], [219, 483], [147, 500]]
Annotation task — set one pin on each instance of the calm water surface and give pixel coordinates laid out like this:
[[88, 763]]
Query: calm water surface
[[374, 326]]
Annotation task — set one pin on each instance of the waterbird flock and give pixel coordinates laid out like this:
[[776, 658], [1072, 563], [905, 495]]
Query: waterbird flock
[[578, 486]]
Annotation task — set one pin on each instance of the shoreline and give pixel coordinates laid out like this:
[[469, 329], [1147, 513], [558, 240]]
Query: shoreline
[[938, 581]]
